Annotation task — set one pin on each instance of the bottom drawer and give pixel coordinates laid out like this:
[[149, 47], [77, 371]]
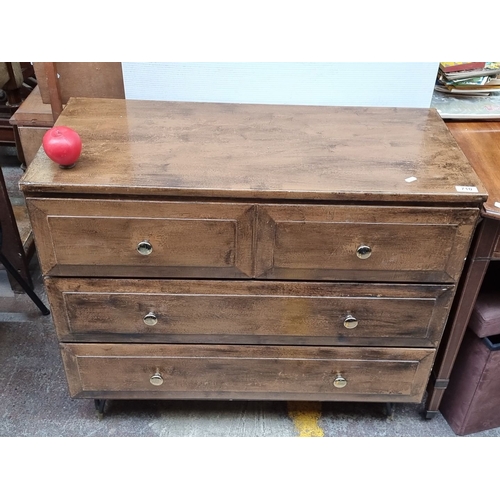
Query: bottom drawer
[[159, 371]]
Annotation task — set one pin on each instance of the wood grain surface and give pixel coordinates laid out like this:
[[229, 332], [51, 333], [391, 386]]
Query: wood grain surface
[[83, 79], [255, 216], [246, 372], [480, 142], [227, 240], [258, 151], [248, 312]]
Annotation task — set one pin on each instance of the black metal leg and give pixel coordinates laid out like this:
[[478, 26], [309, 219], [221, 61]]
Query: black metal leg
[[389, 410], [99, 407], [33, 296], [429, 415]]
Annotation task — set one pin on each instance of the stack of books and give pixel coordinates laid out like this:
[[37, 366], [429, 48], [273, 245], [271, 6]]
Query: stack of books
[[468, 78]]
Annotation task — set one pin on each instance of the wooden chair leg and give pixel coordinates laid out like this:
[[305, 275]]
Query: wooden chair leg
[[12, 248]]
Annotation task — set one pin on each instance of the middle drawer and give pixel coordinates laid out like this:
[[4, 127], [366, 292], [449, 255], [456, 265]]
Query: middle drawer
[[240, 312]]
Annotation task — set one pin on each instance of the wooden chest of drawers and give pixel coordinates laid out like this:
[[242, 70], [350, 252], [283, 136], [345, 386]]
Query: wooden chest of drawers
[[252, 252]]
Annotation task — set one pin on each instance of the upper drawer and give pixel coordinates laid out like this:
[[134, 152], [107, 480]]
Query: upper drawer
[[142, 238], [77, 237], [362, 243]]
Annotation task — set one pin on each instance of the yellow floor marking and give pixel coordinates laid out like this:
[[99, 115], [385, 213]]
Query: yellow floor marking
[[305, 416]]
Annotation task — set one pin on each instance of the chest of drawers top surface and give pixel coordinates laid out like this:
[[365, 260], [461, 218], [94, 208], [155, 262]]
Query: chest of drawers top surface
[[151, 148]]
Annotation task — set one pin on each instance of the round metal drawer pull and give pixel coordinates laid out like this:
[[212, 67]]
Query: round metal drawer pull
[[144, 248], [156, 379], [150, 319], [339, 382], [350, 322], [363, 251]]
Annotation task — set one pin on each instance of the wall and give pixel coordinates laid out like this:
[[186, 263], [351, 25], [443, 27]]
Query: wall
[[336, 84]]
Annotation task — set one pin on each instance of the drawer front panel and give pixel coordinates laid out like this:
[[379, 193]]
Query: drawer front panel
[[248, 312], [140, 239], [362, 243], [246, 372]]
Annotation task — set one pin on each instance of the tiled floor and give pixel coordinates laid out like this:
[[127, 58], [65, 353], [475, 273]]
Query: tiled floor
[[34, 399]]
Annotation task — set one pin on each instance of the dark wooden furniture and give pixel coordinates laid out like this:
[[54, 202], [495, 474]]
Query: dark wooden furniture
[[14, 273], [480, 142], [59, 81], [32, 119], [18, 244], [253, 252], [17, 88]]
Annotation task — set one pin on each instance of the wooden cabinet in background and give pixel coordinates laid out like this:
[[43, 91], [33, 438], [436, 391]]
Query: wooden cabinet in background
[[82, 79], [32, 120], [480, 142]]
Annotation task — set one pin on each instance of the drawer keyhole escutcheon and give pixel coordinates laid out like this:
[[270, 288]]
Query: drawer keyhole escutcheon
[[363, 251], [150, 319], [156, 379], [339, 382], [350, 322], [144, 248]]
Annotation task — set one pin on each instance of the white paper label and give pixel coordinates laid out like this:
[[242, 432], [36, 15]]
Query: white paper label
[[466, 189], [497, 204], [410, 179]]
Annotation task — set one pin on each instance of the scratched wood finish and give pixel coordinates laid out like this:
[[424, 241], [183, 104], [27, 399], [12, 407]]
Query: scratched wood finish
[[193, 311], [100, 238], [258, 151], [246, 372], [320, 242], [254, 214]]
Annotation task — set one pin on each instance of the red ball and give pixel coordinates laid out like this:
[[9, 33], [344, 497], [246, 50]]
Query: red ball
[[62, 145]]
